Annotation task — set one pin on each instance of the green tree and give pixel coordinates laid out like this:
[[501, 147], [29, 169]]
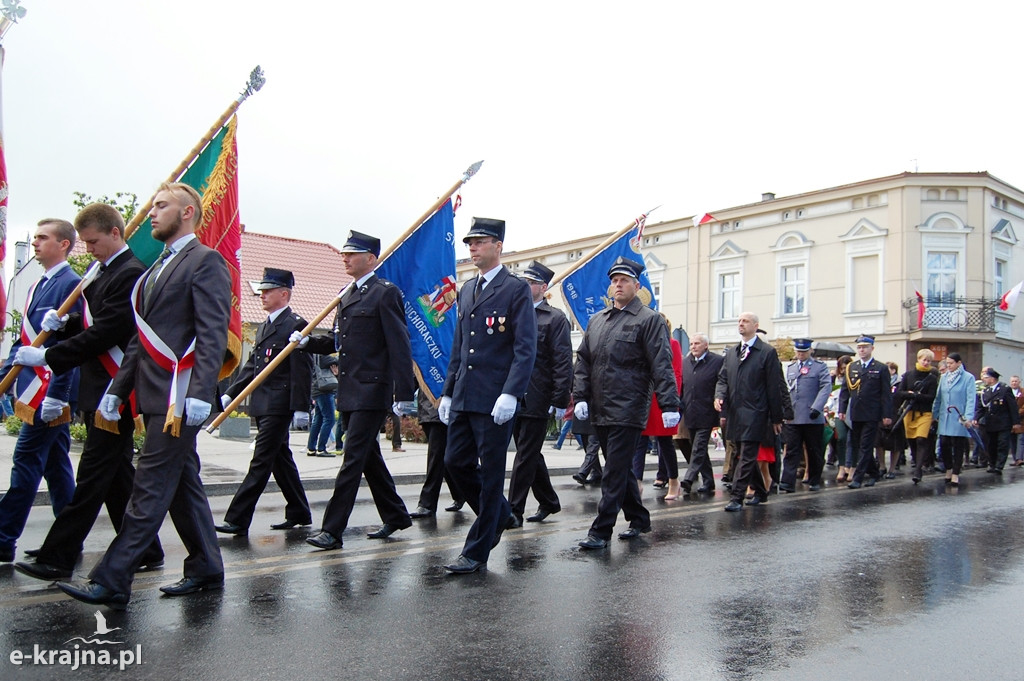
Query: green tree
[[126, 203], [15, 328]]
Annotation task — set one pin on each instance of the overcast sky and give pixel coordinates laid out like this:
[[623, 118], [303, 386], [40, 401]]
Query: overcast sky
[[585, 113]]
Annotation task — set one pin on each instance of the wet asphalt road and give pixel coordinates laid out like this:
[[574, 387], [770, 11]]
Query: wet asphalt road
[[884, 583]]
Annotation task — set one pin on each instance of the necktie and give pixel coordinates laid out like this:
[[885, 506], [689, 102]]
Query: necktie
[[153, 274], [479, 288], [744, 351]]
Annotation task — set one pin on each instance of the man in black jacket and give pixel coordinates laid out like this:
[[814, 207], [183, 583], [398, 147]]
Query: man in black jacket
[[94, 341], [549, 388], [625, 352], [700, 375], [273, 403], [866, 396], [750, 393], [997, 414]]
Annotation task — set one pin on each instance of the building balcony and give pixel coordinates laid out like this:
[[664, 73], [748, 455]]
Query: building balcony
[[951, 318]]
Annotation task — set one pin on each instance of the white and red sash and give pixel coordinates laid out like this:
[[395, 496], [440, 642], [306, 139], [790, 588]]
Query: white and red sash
[[32, 395], [161, 353], [111, 360]]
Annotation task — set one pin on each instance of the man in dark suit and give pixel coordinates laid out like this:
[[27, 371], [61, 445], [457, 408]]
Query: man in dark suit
[[44, 401], [997, 415], [866, 396], [94, 341], [492, 359], [749, 392], [374, 377], [625, 353], [182, 309], [809, 386], [548, 389], [700, 375], [283, 394]]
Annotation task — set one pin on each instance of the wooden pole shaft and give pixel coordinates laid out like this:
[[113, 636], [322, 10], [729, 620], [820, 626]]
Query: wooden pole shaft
[[288, 349], [583, 261]]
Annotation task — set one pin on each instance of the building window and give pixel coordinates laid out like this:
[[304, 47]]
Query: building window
[[941, 277], [864, 285], [952, 195], [656, 292], [932, 195], [794, 289], [999, 276], [729, 295]]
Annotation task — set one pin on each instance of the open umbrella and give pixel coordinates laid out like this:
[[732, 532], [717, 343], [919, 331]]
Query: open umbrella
[[831, 349], [979, 442]]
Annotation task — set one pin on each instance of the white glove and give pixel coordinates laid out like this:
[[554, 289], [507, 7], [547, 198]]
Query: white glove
[[51, 322], [297, 337], [559, 413], [196, 411], [504, 408], [51, 408], [581, 411], [30, 357], [225, 400], [444, 410], [670, 419], [402, 408], [300, 421], [110, 406]]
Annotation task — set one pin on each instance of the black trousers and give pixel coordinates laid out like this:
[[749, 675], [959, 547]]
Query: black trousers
[[166, 480], [437, 443], [797, 437], [529, 471], [700, 459], [953, 449], [591, 457], [475, 458], [746, 473], [619, 490], [998, 445], [104, 477], [271, 457], [862, 439], [363, 457]]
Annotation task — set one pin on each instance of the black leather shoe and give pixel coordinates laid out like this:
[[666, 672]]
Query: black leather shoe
[[814, 488], [870, 482], [786, 489], [191, 585], [386, 530], [915, 479], [593, 542], [659, 484], [94, 594], [579, 478], [540, 515], [422, 512], [463, 566], [231, 528], [594, 480], [32, 553], [726, 478], [706, 489], [757, 501], [634, 532], [854, 485], [324, 540], [734, 506], [514, 521], [687, 485], [150, 566], [7, 555], [997, 471], [456, 506], [47, 573], [289, 524]]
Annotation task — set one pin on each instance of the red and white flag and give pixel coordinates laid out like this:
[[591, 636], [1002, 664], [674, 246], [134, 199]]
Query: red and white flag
[[3, 201], [1009, 298], [699, 220]]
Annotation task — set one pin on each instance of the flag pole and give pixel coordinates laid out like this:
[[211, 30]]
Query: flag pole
[[311, 326], [253, 85], [600, 247]]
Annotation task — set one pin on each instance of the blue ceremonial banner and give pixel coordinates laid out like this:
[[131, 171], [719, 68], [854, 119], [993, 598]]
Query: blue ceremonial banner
[[423, 267], [586, 288]]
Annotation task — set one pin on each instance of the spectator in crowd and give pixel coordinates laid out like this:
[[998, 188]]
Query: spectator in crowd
[[918, 386], [700, 375], [325, 385], [997, 415], [954, 401]]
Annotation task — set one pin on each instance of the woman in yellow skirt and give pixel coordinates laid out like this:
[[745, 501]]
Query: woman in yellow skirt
[[919, 385]]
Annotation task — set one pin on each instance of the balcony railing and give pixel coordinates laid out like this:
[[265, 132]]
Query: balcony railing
[[953, 314]]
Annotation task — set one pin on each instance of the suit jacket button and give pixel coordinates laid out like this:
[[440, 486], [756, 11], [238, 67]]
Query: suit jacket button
[[472, 333], [471, 351], [470, 366], [472, 316]]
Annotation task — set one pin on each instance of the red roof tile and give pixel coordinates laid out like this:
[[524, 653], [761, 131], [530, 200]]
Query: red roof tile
[[317, 266]]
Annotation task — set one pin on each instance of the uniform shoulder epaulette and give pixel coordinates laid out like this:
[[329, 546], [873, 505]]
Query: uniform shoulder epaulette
[[385, 282]]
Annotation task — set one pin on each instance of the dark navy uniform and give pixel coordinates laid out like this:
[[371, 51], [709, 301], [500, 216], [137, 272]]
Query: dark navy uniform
[[866, 397], [549, 387], [997, 413], [272, 404], [493, 354], [374, 370], [809, 385]]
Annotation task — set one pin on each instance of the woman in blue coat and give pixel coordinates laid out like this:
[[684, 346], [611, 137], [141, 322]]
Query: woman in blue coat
[[956, 389]]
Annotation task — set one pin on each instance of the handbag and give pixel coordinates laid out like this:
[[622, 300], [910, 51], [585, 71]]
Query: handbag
[[324, 381]]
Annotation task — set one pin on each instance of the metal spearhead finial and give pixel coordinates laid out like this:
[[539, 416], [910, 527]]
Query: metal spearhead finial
[[13, 10], [471, 171], [256, 81]]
